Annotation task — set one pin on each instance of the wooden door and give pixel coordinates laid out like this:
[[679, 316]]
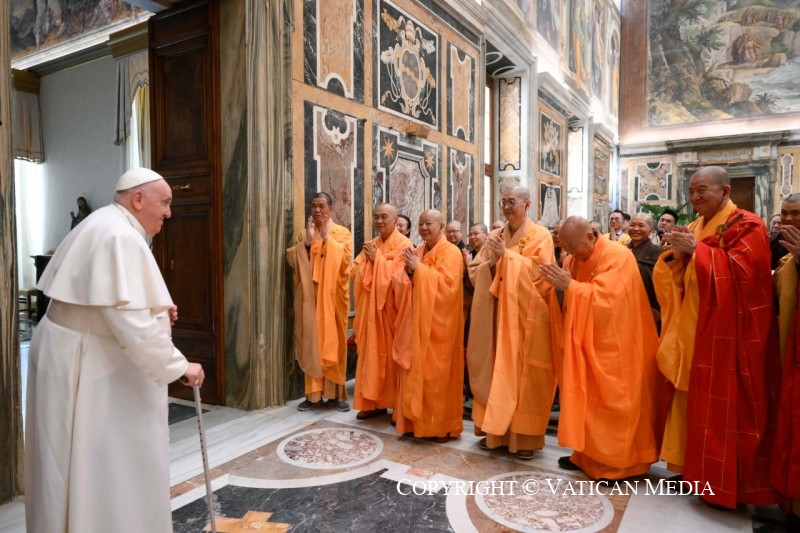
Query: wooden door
[[185, 117], [743, 192]]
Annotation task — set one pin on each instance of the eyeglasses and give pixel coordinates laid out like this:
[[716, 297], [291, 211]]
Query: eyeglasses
[[452, 231], [510, 203]]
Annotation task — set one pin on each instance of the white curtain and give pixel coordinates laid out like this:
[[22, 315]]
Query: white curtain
[[26, 127], [132, 121], [29, 191]]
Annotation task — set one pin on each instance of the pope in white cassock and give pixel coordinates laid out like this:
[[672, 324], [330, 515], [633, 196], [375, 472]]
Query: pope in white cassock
[[97, 440]]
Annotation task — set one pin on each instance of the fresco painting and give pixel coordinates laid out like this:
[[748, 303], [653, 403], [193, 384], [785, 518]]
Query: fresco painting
[[722, 60]]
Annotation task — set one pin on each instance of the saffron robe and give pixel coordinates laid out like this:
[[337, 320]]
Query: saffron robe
[[605, 344], [429, 345], [509, 352], [321, 304], [374, 324], [100, 361], [785, 473], [717, 312]]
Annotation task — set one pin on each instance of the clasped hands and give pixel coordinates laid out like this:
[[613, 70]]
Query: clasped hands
[[496, 244], [313, 233], [680, 240], [370, 250], [556, 276], [411, 259]]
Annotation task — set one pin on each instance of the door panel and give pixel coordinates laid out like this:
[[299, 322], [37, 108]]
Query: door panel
[[743, 193]]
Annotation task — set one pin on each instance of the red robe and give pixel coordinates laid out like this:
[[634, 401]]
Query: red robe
[[731, 395]]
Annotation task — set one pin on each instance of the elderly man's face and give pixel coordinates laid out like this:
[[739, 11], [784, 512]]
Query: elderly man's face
[[775, 224], [639, 229], [615, 222], [153, 206], [514, 208], [384, 219], [578, 243], [320, 210], [707, 194], [430, 229]]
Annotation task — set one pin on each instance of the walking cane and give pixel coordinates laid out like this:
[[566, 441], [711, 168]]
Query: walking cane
[[204, 452]]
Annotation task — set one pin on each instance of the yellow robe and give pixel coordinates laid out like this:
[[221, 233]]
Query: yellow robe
[[321, 305], [676, 288], [509, 352], [429, 345], [605, 344], [374, 324], [623, 238]]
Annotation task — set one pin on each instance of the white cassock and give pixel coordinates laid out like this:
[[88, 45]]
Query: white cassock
[[97, 437]]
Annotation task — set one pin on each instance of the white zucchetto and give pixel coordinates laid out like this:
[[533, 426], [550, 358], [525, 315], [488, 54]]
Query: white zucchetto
[[136, 177]]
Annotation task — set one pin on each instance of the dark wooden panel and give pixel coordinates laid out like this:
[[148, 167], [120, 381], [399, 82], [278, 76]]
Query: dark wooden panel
[[191, 188], [170, 27], [743, 193]]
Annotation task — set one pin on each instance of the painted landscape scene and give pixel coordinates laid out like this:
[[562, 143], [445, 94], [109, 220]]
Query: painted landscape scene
[[716, 60]]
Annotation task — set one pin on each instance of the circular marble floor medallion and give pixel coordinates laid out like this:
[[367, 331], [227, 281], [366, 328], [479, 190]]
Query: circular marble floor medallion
[[330, 448], [535, 506]]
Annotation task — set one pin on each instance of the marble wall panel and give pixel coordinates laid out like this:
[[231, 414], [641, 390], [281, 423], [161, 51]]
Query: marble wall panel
[[407, 65], [333, 46], [459, 187], [409, 174], [785, 173], [624, 189], [460, 94], [332, 160], [653, 182], [510, 124]]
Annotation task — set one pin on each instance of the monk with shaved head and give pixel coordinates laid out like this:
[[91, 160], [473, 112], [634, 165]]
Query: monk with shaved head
[[605, 343], [714, 285], [429, 346], [509, 355], [376, 313]]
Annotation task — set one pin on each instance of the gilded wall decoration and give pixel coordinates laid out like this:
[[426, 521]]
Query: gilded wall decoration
[[409, 169], [549, 203], [722, 60], [460, 94], [43, 24], [579, 41], [786, 168], [334, 149], [548, 21], [408, 65], [653, 182], [510, 123], [551, 145], [459, 187], [333, 46], [598, 31]]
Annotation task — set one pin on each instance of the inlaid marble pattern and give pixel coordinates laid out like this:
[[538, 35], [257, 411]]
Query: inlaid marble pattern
[[460, 188], [510, 126], [653, 182], [460, 94], [408, 174], [786, 168], [333, 46], [331, 159], [408, 63], [539, 504], [330, 448]]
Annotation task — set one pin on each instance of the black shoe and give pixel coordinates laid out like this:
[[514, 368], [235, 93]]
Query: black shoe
[[482, 444], [567, 464], [340, 405], [363, 415], [306, 405]]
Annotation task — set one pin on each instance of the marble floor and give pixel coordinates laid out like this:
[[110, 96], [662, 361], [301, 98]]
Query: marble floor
[[322, 470]]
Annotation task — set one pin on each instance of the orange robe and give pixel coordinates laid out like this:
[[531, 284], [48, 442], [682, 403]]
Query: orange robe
[[785, 473], [321, 305], [509, 352], [605, 343], [429, 345], [374, 324], [716, 353]]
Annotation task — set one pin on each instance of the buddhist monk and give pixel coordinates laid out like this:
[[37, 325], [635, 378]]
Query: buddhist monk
[[785, 474], [376, 313], [509, 353], [605, 344], [714, 286], [321, 261], [429, 342]]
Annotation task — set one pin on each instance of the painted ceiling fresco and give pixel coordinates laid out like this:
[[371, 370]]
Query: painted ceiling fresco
[[714, 60]]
